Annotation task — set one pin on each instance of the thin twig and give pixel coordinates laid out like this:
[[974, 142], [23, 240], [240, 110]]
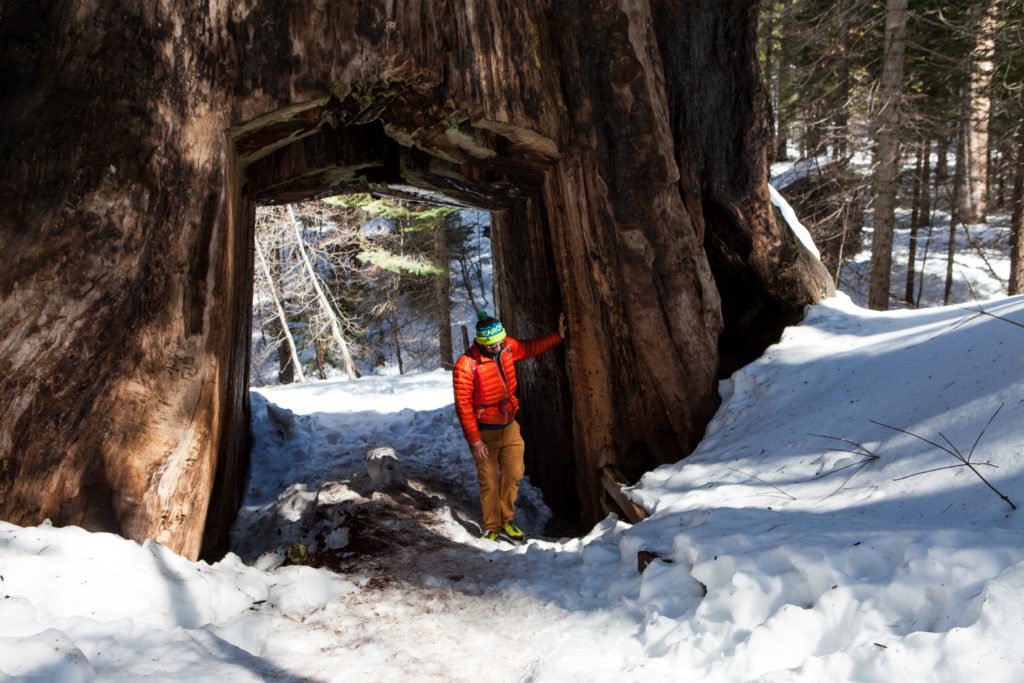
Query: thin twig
[[835, 450], [981, 253], [861, 465], [764, 482], [994, 490], [977, 312], [984, 430], [930, 443], [947, 467], [862, 451], [955, 452], [981, 311]]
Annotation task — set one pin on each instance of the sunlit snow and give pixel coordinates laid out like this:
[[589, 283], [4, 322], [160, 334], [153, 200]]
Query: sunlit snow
[[803, 540]]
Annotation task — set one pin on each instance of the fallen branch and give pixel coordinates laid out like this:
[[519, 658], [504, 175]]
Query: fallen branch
[[980, 311], [965, 461]]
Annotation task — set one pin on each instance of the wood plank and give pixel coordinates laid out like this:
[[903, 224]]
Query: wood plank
[[613, 482]]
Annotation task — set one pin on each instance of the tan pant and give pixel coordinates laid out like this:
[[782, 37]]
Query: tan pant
[[500, 474]]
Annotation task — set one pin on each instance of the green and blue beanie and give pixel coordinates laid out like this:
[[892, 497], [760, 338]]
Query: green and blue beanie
[[488, 329]]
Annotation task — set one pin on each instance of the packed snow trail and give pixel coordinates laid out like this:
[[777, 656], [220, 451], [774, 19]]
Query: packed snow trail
[[428, 586]]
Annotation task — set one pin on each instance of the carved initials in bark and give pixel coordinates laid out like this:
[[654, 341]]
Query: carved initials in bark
[[137, 138]]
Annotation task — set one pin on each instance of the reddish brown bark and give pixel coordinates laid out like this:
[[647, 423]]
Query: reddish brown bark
[[137, 138]]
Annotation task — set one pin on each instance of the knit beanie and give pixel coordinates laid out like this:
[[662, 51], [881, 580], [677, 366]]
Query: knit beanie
[[488, 329]]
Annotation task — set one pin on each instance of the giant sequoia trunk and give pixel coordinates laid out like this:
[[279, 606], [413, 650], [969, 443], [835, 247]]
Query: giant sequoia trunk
[[620, 145]]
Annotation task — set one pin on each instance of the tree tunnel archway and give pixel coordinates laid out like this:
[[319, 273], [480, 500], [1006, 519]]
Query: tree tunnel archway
[[412, 149], [621, 147]]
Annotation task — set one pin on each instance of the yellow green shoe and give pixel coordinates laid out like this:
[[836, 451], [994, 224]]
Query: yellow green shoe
[[512, 531], [490, 536]]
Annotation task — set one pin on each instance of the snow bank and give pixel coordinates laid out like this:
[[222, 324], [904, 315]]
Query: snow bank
[[75, 606]]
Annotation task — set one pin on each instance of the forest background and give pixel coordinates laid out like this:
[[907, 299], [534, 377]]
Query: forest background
[[893, 122]]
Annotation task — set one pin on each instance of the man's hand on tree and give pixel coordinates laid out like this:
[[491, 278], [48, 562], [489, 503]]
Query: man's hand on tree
[[479, 450]]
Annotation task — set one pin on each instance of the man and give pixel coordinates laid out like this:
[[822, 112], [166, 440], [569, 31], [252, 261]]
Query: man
[[485, 402]]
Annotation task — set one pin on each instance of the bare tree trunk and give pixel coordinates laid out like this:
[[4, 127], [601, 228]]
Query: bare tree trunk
[[924, 212], [321, 366], [956, 204], [921, 218], [915, 198], [983, 26], [888, 154], [442, 296], [396, 340], [289, 340], [467, 281], [841, 135], [839, 256], [339, 338], [920, 181], [1016, 227], [924, 265], [941, 189], [772, 78], [941, 163], [285, 365]]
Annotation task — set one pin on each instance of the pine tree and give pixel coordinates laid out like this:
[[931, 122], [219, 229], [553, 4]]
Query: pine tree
[[888, 153]]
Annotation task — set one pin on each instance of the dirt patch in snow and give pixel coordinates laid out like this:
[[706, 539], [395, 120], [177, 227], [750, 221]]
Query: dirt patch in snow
[[419, 534]]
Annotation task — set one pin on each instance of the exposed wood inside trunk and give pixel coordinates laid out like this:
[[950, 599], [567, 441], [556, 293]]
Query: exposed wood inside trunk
[[613, 483]]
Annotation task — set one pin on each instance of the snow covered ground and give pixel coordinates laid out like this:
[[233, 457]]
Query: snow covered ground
[[803, 540], [807, 539]]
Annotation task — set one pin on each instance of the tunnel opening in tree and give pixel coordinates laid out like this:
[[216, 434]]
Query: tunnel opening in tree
[[305, 153]]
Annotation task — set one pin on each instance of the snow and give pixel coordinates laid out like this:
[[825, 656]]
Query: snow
[[803, 541], [802, 233], [981, 265]]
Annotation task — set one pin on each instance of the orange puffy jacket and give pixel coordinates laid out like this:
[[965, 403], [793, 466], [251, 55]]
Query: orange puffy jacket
[[485, 387]]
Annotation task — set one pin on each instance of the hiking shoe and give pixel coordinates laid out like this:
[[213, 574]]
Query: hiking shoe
[[490, 536], [512, 531]]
